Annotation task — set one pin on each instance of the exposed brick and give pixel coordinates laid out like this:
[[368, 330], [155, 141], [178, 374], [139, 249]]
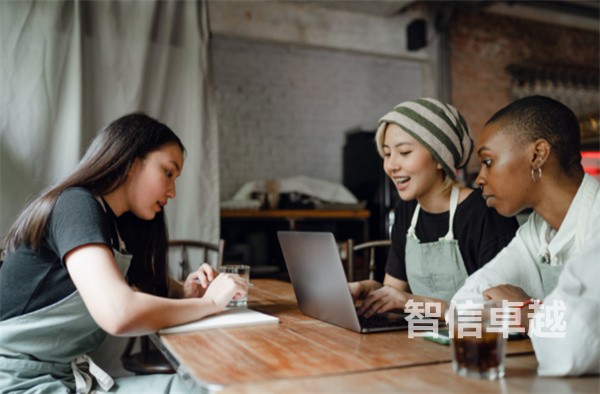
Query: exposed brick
[[484, 44], [284, 110]]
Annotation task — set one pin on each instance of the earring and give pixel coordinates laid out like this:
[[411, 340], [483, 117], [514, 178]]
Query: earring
[[539, 174]]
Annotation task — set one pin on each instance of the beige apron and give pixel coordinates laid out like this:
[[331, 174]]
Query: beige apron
[[435, 269]]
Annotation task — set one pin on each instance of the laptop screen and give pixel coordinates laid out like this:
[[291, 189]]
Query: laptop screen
[[318, 278]]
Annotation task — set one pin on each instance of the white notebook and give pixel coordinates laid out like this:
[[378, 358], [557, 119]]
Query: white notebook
[[230, 317]]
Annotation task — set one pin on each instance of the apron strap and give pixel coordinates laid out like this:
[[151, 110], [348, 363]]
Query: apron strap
[[413, 222], [453, 204], [83, 380], [122, 246]]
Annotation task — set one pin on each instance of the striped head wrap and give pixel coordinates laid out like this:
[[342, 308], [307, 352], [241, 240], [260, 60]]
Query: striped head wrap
[[437, 126]]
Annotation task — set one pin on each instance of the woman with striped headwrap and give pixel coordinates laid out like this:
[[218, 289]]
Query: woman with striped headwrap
[[443, 231]]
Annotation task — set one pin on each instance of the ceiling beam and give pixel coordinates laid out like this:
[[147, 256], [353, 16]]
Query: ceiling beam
[[537, 12]]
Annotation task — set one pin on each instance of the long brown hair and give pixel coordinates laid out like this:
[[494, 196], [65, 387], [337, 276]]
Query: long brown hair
[[102, 169]]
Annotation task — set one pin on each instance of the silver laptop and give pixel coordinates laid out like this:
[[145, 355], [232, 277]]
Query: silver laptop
[[320, 285]]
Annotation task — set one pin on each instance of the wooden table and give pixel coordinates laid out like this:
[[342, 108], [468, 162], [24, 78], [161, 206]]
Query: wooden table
[[520, 377], [298, 348]]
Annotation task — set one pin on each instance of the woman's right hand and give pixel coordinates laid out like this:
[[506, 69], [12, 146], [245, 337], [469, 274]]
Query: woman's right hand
[[224, 288], [197, 282]]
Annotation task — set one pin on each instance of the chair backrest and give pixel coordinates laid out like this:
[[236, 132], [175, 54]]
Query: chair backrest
[[371, 247], [209, 253]]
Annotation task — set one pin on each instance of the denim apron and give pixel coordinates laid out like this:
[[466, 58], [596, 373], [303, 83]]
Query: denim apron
[[435, 269], [549, 272], [45, 351]]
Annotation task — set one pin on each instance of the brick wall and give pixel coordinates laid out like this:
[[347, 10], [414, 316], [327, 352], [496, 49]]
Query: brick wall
[[283, 110], [483, 44]]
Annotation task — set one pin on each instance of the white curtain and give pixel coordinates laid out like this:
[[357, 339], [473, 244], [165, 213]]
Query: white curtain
[[70, 67]]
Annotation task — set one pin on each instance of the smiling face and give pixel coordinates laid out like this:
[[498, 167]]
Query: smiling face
[[151, 181], [504, 176], [409, 164]]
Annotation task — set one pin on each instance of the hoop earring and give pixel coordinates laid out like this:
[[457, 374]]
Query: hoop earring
[[539, 174]]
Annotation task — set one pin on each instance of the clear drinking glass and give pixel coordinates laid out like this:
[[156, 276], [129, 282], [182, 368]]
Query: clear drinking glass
[[478, 333], [244, 272]]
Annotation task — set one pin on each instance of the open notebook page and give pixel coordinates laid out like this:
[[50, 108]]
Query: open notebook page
[[231, 317]]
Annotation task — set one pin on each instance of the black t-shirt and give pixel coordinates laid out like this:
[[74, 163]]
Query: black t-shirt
[[480, 231], [30, 281]]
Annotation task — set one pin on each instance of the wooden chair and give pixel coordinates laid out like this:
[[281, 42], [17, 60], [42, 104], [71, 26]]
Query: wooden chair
[[206, 249], [371, 247], [150, 360]]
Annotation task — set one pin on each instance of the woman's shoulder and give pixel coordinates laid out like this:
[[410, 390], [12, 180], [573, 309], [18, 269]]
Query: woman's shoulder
[[77, 213], [403, 212], [474, 200], [76, 198], [465, 192], [474, 206], [76, 193]]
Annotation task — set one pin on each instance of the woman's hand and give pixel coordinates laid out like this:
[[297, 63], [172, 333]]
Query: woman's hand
[[383, 300], [357, 290], [224, 288], [505, 292], [197, 282]]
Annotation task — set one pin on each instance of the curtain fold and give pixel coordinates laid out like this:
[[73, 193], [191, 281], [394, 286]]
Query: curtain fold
[[71, 67]]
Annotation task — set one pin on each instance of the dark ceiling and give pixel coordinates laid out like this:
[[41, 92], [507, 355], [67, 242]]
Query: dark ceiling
[[386, 8]]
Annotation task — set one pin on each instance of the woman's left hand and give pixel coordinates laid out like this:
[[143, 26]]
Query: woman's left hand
[[505, 292], [197, 282]]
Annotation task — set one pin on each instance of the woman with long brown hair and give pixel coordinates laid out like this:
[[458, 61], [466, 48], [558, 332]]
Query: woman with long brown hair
[[89, 256]]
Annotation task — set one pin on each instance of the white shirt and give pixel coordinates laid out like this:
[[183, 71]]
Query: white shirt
[[578, 352], [516, 263]]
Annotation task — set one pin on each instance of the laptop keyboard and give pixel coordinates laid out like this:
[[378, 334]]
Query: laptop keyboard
[[382, 320]]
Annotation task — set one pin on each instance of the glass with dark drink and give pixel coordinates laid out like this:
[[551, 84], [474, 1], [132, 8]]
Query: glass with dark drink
[[477, 340]]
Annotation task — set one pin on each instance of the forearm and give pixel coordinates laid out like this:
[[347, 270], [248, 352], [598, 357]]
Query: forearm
[[145, 313], [116, 307]]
